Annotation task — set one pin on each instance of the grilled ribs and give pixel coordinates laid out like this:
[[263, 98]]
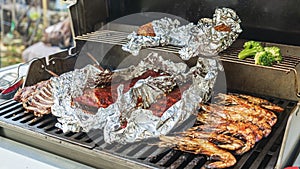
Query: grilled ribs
[[38, 98]]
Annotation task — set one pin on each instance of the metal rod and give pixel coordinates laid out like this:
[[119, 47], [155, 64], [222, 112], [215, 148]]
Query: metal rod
[[51, 73], [93, 58], [45, 19]]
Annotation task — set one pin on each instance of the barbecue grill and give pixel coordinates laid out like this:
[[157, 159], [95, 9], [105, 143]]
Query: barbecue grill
[[279, 84]]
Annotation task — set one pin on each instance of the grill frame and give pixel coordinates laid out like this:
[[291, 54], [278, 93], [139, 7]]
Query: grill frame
[[95, 156], [58, 144]]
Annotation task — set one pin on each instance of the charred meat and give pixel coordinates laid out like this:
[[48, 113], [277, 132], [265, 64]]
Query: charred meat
[[146, 30], [36, 98]]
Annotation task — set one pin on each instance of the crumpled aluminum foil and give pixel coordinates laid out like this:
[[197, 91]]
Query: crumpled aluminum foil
[[195, 40], [65, 87], [141, 123]]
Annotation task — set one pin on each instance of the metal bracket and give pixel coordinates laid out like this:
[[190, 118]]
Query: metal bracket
[[44, 68]]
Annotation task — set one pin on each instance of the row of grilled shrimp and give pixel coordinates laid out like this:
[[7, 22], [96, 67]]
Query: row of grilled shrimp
[[234, 123]]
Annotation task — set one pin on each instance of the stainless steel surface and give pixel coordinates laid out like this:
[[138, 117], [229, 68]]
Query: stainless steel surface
[[291, 141], [21, 156]]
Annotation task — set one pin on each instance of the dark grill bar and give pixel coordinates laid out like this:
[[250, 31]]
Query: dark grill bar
[[263, 155]]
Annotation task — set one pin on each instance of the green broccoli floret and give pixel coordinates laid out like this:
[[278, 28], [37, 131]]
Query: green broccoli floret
[[251, 44], [264, 58], [275, 52], [250, 49]]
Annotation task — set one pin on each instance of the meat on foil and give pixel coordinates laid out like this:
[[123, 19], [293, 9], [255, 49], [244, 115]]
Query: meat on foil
[[234, 123], [38, 98], [130, 104], [208, 37]]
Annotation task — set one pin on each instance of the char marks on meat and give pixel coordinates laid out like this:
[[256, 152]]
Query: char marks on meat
[[234, 123], [146, 30], [223, 158], [37, 98]]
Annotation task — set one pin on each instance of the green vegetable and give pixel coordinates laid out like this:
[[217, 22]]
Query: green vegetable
[[250, 49], [275, 52], [264, 58]]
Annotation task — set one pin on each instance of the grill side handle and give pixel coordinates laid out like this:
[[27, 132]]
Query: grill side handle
[[297, 80], [290, 147]]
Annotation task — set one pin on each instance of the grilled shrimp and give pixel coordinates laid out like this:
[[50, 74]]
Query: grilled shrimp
[[221, 140], [237, 129], [226, 113], [207, 118], [261, 102], [246, 107], [223, 158]]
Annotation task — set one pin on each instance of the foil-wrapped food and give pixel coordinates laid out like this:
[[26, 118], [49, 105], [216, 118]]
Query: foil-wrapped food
[[208, 37], [141, 101]]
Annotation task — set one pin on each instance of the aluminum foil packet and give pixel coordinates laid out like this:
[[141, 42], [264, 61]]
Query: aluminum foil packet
[[66, 87], [208, 37], [141, 122]]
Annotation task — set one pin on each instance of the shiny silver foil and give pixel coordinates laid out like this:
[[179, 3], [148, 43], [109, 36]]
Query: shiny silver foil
[[161, 28], [65, 87], [195, 40], [141, 123]]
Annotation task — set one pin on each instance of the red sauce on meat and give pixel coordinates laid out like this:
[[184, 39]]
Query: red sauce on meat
[[103, 97]]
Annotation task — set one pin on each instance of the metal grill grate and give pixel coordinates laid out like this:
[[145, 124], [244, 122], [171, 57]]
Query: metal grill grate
[[230, 55], [263, 155]]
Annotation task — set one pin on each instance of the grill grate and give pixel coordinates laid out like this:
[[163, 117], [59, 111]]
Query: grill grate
[[230, 55], [263, 155]]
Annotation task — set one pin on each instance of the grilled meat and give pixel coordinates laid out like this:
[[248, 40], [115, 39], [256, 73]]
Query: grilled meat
[[231, 113], [207, 118], [248, 107], [222, 27], [170, 99], [223, 158], [107, 94], [146, 30], [36, 98], [236, 129], [221, 140], [261, 102], [235, 123]]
